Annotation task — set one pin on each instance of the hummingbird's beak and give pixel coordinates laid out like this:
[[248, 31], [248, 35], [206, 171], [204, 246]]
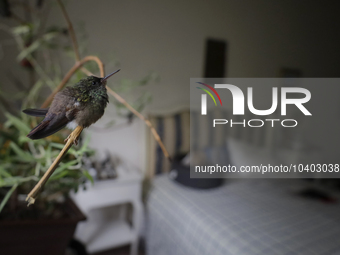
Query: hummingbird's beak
[[108, 76]]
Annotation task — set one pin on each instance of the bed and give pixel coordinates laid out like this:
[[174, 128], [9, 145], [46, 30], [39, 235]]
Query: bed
[[243, 216]]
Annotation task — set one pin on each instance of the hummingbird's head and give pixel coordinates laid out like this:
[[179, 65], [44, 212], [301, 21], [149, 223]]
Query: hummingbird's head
[[94, 81]]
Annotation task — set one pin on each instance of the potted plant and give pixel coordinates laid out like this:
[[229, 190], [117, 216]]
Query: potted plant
[[46, 227]]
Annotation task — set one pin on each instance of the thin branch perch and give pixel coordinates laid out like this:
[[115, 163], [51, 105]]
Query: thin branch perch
[[147, 122], [100, 64], [70, 73], [70, 29], [73, 36], [71, 139]]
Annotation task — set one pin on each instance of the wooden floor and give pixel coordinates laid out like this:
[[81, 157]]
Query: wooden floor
[[124, 250]]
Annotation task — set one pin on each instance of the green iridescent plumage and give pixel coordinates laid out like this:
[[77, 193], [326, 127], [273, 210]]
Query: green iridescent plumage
[[87, 91]]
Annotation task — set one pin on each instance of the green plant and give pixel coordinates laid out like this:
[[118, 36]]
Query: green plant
[[23, 161]]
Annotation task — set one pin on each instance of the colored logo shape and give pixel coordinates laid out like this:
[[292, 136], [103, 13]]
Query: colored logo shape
[[208, 92]]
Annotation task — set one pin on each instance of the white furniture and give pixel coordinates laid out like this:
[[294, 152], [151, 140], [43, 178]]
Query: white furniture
[[104, 227]]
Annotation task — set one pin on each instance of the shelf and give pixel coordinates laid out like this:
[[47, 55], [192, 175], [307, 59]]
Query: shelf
[[111, 234], [102, 231]]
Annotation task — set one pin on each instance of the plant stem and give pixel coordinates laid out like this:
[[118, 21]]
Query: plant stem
[[73, 36], [71, 139], [8, 195], [76, 66], [118, 97], [139, 115], [100, 64], [71, 30]]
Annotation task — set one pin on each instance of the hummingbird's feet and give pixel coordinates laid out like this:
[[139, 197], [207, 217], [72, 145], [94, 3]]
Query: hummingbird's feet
[[75, 142]]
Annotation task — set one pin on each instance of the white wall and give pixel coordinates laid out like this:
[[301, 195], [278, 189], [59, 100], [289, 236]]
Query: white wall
[[168, 37]]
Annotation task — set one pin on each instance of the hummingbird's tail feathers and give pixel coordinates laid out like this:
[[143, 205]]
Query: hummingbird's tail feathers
[[36, 112], [48, 127], [35, 131]]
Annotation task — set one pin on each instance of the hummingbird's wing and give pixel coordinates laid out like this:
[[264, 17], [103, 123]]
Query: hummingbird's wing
[[62, 111], [50, 125], [36, 112]]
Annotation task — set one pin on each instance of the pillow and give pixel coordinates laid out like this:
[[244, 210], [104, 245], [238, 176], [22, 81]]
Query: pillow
[[180, 173], [245, 154]]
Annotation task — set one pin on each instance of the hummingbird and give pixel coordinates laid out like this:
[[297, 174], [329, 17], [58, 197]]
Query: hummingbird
[[80, 105]]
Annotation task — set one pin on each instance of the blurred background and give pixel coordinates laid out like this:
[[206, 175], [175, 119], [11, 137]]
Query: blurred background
[[161, 45], [170, 39]]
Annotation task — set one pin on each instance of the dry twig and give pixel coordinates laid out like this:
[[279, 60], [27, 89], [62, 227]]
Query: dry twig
[[76, 133], [34, 192], [114, 94], [70, 29], [147, 122], [73, 137], [73, 36], [70, 73]]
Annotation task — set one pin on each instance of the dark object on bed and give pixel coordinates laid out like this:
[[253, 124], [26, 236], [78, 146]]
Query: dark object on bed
[[181, 174], [316, 194]]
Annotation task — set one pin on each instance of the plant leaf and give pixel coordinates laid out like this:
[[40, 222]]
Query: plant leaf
[[8, 195], [19, 30], [88, 176], [33, 93], [4, 173], [18, 123], [35, 45], [61, 168], [23, 155]]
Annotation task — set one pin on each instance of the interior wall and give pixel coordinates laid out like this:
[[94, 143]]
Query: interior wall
[[168, 37]]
